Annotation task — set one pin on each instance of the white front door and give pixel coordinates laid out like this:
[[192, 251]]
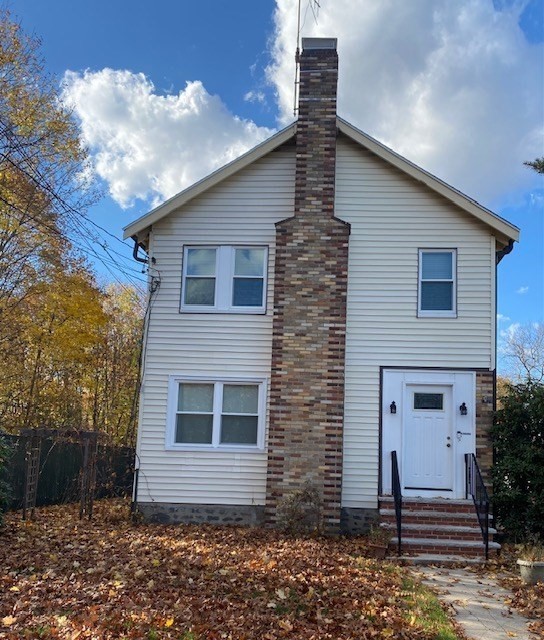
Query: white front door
[[428, 442]]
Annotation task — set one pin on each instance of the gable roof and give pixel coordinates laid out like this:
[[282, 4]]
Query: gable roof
[[135, 229], [505, 231]]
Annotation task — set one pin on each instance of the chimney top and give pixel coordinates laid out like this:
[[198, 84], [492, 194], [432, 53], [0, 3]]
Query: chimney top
[[319, 43]]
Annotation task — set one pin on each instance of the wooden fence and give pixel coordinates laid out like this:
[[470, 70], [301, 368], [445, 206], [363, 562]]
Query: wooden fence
[[59, 473]]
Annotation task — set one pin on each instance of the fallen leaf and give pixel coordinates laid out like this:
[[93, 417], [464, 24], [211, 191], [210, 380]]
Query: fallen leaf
[[285, 625]]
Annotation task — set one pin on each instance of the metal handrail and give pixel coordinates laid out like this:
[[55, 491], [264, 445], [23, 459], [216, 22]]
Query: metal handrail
[[397, 497], [475, 487]]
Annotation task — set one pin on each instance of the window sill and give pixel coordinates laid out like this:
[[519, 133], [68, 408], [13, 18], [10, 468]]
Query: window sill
[[437, 314], [235, 448], [253, 311]]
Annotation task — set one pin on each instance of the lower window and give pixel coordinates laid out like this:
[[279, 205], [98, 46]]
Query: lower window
[[214, 414]]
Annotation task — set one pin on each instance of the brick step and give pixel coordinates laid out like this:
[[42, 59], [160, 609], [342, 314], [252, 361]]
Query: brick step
[[437, 505], [431, 518], [433, 522], [443, 532], [464, 548]]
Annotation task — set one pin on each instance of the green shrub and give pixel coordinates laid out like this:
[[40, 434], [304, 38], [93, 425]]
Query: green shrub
[[518, 474]]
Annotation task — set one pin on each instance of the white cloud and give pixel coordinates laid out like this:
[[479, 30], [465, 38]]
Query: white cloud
[[453, 86], [501, 318], [509, 332], [255, 96], [149, 146], [522, 290]]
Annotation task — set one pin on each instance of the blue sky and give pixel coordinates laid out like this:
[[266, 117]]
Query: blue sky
[[167, 91]]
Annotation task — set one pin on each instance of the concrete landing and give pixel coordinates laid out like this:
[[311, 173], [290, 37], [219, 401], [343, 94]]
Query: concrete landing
[[479, 603]]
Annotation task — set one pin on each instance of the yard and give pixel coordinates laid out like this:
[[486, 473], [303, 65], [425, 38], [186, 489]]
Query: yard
[[110, 578]]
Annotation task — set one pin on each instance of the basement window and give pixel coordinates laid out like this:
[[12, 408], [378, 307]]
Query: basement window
[[215, 414], [218, 279], [437, 296]]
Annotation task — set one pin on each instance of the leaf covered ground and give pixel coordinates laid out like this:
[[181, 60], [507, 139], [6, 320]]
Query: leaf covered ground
[[526, 598], [109, 578]]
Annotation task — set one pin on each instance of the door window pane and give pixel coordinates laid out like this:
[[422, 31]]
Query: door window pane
[[430, 401], [239, 430], [194, 429], [240, 398]]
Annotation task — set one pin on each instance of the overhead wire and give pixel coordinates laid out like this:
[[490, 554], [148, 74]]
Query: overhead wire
[[51, 231], [76, 219]]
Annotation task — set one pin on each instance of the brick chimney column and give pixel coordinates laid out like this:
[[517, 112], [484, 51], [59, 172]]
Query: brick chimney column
[[310, 291]]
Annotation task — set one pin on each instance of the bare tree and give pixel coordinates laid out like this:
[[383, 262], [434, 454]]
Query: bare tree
[[524, 352]]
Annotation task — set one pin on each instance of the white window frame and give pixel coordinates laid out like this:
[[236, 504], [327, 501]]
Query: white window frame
[[438, 313], [173, 389], [224, 280]]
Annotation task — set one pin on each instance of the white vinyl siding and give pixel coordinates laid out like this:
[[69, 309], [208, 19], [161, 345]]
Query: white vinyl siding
[[241, 211], [392, 216]]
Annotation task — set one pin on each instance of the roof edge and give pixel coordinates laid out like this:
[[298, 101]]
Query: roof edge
[[222, 173], [507, 230]]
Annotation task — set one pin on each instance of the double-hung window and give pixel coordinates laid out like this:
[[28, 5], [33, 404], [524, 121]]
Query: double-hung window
[[224, 279], [216, 414], [437, 296]]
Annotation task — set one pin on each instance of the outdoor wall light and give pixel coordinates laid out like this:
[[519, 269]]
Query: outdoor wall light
[[463, 409], [393, 407]]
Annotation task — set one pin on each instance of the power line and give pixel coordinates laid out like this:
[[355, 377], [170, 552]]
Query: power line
[[75, 218], [90, 250]]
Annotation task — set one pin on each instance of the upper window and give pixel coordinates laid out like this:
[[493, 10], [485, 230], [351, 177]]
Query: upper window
[[219, 279], [437, 286], [216, 413]]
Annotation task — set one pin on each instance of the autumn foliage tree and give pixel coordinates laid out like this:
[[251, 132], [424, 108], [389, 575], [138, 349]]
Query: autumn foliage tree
[[68, 347]]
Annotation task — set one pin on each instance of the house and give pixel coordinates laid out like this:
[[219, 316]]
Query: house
[[316, 305]]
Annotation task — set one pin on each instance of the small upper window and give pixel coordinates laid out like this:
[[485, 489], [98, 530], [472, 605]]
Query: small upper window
[[437, 294], [219, 279]]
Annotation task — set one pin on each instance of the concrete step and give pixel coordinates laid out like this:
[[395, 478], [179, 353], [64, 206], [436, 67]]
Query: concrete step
[[427, 559]]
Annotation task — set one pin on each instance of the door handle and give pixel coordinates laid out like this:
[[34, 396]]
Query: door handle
[[448, 445]]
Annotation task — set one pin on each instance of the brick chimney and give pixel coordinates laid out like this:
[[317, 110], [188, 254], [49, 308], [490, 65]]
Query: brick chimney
[[310, 290]]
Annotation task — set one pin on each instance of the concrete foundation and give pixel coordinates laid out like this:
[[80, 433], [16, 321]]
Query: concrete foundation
[[220, 514]]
